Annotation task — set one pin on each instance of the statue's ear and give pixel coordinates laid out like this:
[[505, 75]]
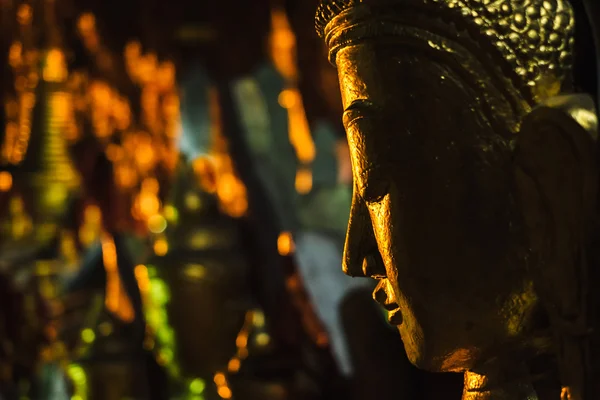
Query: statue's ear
[[555, 166]]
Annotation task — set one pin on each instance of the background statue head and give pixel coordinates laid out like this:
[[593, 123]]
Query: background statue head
[[474, 171]]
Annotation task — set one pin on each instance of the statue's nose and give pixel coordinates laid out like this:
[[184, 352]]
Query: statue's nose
[[360, 241], [382, 295]]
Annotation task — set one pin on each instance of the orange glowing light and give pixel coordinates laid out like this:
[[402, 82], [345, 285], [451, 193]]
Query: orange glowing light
[[141, 275], [220, 379], [20, 83], [5, 181], [224, 392], [288, 98], [231, 191], [148, 204], [157, 223], [241, 340], [166, 76], [86, 23], [24, 14], [234, 365], [144, 155], [304, 180], [205, 170], [150, 185], [116, 300], [15, 54], [285, 243], [114, 152], [55, 69], [283, 53], [62, 111], [125, 176], [283, 44], [565, 393], [161, 247], [12, 109], [322, 339]]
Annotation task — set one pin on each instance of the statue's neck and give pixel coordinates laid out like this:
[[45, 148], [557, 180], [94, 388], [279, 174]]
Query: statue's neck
[[499, 382]]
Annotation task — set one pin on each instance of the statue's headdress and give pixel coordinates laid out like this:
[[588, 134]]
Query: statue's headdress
[[535, 37]]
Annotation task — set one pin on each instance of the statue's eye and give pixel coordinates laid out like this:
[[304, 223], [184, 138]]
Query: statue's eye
[[351, 117], [357, 110]]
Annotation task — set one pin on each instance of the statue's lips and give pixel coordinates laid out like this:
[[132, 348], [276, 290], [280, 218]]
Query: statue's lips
[[395, 317]]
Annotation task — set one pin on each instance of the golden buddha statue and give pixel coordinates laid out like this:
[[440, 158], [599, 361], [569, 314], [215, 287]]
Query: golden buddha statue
[[474, 184]]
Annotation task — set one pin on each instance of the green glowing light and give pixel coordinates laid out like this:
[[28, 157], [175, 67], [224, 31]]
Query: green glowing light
[[165, 335], [171, 213], [158, 320], [167, 354], [157, 224], [88, 335], [78, 376], [197, 386], [159, 291]]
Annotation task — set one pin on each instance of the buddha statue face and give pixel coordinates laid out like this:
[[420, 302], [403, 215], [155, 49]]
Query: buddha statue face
[[436, 94]]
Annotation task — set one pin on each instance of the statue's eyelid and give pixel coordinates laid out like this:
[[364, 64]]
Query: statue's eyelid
[[358, 109], [351, 116]]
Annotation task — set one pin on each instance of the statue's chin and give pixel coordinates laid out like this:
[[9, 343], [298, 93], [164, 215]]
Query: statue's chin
[[415, 350], [432, 360]]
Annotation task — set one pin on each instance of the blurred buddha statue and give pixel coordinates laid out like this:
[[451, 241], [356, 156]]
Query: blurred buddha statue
[[200, 265], [475, 181]]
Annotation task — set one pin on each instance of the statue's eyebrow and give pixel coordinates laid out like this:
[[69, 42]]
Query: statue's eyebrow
[[362, 105]]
